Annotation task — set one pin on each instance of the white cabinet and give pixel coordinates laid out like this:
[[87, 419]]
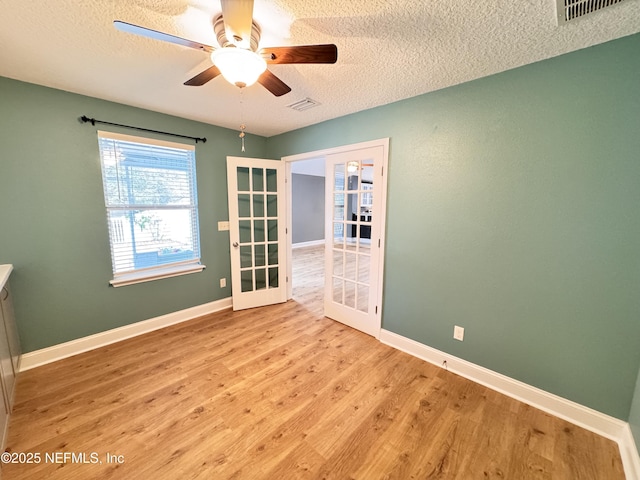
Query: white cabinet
[[6, 300], [4, 406], [9, 351]]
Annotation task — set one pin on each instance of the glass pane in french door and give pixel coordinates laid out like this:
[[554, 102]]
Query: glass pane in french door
[[351, 225], [258, 210]]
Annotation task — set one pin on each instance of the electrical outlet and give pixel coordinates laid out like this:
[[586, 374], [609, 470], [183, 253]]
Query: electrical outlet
[[458, 333], [223, 282]]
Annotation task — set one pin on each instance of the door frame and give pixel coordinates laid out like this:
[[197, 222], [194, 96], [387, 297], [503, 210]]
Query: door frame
[[289, 159]]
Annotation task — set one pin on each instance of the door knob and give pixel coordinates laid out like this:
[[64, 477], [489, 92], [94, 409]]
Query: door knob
[[235, 244]]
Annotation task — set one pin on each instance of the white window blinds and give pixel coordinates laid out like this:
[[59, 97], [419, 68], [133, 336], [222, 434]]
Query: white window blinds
[[151, 201]]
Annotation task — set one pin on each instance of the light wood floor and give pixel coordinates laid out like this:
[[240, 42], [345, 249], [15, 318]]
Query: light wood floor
[[283, 393]]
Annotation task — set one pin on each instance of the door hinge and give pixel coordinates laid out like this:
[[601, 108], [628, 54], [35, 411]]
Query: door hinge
[[287, 279], [378, 243], [376, 309]]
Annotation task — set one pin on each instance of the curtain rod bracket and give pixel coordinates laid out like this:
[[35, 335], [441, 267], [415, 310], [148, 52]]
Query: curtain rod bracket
[[93, 121], [86, 119]]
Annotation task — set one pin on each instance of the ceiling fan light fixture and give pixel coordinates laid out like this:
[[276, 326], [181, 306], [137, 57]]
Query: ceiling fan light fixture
[[239, 66]]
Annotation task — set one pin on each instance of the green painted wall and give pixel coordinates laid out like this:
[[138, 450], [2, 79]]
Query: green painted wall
[[513, 211], [53, 226]]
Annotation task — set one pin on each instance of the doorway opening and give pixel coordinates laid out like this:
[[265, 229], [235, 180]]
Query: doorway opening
[[307, 230], [354, 227]]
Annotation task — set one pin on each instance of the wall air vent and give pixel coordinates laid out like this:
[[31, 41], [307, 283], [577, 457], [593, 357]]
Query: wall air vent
[[569, 10], [305, 104]]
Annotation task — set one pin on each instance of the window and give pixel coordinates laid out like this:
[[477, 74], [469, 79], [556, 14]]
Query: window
[[152, 209], [367, 196]]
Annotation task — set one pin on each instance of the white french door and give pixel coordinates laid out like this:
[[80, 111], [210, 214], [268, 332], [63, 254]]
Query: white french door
[[353, 235], [257, 231]]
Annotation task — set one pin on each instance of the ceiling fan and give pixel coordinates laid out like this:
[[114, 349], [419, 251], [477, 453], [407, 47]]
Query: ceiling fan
[[238, 59]]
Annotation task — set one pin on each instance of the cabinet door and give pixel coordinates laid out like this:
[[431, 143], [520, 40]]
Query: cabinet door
[[4, 418], [11, 327], [7, 375]]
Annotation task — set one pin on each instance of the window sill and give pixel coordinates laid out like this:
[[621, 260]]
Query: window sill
[[155, 274]]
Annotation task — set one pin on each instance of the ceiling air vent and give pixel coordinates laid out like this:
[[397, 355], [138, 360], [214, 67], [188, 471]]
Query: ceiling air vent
[[305, 104], [569, 10]]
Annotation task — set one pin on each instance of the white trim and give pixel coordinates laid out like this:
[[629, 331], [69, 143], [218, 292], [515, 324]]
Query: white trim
[[311, 243], [156, 273], [580, 415], [146, 140], [340, 149], [288, 192], [63, 350], [592, 420], [5, 271], [629, 454]]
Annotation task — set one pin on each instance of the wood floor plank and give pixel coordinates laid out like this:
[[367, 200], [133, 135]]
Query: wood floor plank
[[303, 463], [410, 435], [283, 393]]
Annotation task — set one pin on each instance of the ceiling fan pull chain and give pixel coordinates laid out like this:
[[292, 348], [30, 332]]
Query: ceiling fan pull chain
[[242, 125]]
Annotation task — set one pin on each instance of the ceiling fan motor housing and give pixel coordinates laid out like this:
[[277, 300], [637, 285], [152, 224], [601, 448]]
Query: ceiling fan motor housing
[[223, 41]]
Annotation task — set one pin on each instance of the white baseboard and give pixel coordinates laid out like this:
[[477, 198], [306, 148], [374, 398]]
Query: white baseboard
[[84, 344], [592, 420], [308, 244], [630, 455]]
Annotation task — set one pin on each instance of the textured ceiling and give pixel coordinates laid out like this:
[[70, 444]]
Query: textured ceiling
[[388, 50]]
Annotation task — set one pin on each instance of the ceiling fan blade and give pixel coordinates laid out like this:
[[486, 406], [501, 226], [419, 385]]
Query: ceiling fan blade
[[165, 37], [238, 18], [203, 77], [272, 83], [327, 53]]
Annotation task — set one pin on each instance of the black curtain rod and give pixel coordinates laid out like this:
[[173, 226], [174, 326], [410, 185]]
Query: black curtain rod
[[93, 121]]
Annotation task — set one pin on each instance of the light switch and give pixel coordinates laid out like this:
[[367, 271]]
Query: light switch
[[458, 333]]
